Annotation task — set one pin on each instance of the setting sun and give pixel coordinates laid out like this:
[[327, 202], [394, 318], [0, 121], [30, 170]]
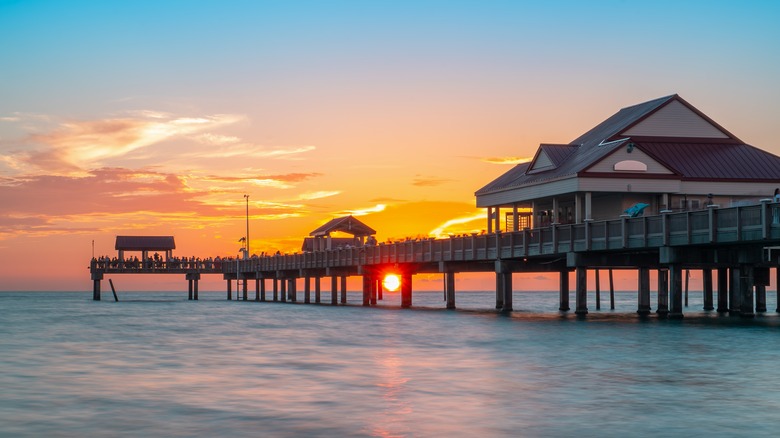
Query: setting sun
[[391, 282]]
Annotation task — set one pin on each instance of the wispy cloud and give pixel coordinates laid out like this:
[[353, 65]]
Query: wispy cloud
[[281, 181], [318, 195], [362, 211], [76, 146], [422, 181], [456, 225], [506, 160], [248, 150]]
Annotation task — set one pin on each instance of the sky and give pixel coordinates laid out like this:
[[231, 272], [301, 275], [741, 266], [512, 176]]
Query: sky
[[157, 117]]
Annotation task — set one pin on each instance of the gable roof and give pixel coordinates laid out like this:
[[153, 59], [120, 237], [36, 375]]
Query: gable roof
[[619, 122], [551, 155], [346, 224], [669, 129], [144, 243]]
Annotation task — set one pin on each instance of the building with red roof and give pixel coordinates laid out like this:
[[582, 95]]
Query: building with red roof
[[664, 153]]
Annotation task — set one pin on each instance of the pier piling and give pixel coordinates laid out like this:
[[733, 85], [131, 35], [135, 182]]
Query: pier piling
[[449, 280], [723, 290], [563, 292], [663, 292], [581, 286], [598, 289], [113, 291], [96, 277], [406, 290], [644, 291], [746, 289], [706, 275], [676, 291]]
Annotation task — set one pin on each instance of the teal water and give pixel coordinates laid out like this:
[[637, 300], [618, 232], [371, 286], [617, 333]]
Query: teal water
[[155, 364]]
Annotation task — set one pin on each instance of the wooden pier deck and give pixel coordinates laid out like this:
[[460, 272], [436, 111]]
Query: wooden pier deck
[[740, 243]]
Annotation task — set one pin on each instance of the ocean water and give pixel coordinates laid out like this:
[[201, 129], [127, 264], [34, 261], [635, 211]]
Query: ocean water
[[155, 364]]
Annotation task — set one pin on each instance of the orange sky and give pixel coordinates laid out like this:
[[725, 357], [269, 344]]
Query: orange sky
[[395, 113]]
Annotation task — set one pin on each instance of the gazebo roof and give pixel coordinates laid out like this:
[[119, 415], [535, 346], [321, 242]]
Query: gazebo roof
[[346, 224], [144, 243]]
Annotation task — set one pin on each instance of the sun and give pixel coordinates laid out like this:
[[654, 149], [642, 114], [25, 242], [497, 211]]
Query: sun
[[391, 282]]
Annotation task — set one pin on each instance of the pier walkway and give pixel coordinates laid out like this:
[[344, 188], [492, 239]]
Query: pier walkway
[[741, 244]]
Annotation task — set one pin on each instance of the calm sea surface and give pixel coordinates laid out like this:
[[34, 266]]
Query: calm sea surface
[[155, 364]]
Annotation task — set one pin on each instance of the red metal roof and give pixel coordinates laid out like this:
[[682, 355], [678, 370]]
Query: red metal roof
[[716, 161]]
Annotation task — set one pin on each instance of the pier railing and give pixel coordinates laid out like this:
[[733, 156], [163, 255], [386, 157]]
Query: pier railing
[[745, 224], [753, 223], [151, 266]]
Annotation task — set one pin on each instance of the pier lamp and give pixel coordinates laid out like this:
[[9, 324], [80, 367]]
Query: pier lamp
[[246, 252]]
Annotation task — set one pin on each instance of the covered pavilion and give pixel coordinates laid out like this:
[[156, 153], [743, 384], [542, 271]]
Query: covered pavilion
[[321, 238], [144, 244]]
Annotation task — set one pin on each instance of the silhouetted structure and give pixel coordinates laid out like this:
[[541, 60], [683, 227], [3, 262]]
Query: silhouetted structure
[[322, 240]]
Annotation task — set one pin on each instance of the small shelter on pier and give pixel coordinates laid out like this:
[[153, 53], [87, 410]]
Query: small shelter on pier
[[144, 244], [321, 238], [664, 153]]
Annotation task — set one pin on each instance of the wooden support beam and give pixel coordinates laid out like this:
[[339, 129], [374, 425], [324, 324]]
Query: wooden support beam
[[663, 292], [506, 281], [746, 290], [563, 291], [598, 290], [735, 290], [406, 289], [499, 292], [581, 287], [760, 298], [707, 288], [373, 289], [723, 290], [366, 290], [675, 288], [612, 291], [643, 307], [293, 289], [449, 285]]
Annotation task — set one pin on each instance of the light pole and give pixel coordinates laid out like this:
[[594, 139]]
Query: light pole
[[246, 253]]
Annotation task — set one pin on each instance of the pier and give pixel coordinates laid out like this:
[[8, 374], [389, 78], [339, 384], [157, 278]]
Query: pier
[[640, 191], [739, 245]]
